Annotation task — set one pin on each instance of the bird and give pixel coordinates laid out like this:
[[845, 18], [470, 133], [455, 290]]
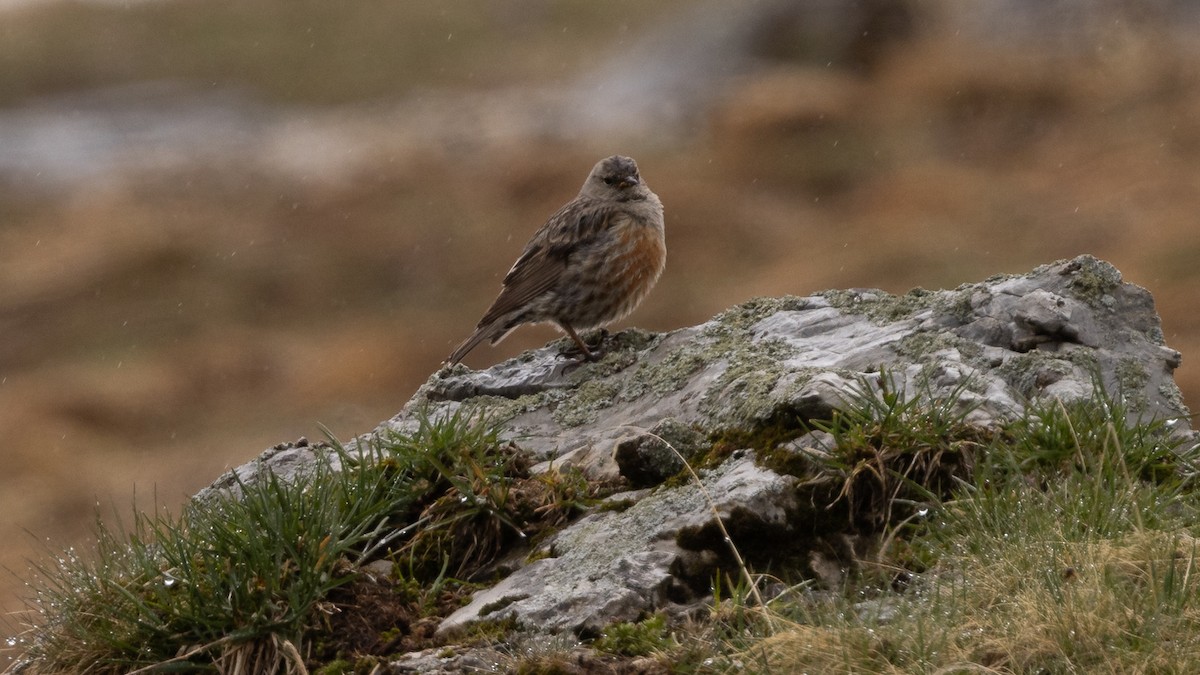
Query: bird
[[590, 264]]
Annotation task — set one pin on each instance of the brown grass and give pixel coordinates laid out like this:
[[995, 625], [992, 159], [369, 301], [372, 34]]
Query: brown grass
[[1065, 603]]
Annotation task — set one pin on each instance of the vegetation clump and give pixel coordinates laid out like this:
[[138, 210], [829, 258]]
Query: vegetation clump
[[257, 583], [895, 449], [636, 638]]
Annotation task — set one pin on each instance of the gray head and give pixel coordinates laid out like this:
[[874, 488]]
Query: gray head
[[616, 178]]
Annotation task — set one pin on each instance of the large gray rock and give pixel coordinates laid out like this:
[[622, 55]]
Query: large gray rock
[[1002, 342], [765, 365], [1010, 339]]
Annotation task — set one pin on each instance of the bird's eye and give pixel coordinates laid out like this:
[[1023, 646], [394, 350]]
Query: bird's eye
[[609, 181]]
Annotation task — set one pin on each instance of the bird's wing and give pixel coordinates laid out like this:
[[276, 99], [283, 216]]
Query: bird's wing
[[544, 260], [537, 271]]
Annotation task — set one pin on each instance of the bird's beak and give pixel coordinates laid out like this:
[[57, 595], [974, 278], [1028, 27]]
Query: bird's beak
[[628, 181]]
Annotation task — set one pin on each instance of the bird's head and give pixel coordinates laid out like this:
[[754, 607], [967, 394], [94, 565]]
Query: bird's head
[[615, 177]]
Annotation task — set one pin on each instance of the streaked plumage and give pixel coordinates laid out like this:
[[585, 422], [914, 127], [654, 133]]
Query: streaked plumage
[[591, 264]]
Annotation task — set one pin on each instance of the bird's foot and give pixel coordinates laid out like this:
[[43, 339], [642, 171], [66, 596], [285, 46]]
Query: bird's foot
[[587, 351]]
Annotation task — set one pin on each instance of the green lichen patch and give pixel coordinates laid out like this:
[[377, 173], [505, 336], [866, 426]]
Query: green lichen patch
[[1093, 280], [744, 316], [685, 438], [742, 395], [883, 308], [586, 402], [619, 351], [1173, 397], [503, 409], [961, 303], [665, 376], [919, 347], [1031, 372], [880, 307], [1132, 379], [635, 340]]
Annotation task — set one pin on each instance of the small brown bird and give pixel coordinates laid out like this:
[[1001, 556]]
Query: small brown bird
[[589, 265]]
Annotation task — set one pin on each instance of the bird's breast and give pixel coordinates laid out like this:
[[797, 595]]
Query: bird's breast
[[607, 279], [641, 258]]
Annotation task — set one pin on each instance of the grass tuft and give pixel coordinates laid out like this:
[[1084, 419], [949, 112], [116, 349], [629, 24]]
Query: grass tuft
[[636, 638], [463, 477], [236, 585], [898, 449]]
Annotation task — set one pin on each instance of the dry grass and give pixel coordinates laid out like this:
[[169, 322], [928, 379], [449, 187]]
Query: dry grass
[[1118, 605], [1084, 567]]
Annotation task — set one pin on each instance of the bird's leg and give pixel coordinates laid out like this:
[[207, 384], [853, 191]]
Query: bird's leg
[[588, 355]]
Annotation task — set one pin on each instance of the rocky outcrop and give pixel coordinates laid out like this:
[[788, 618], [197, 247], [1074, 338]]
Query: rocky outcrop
[[750, 379], [1048, 333]]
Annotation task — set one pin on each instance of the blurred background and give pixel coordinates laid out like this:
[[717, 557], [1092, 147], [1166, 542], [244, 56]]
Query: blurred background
[[224, 223]]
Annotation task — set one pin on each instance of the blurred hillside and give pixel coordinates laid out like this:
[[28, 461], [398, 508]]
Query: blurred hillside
[[224, 224]]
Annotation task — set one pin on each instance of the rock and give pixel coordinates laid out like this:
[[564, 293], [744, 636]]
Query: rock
[[752, 377], [620, 565], [287, 461], [650, 458], [998, 343]]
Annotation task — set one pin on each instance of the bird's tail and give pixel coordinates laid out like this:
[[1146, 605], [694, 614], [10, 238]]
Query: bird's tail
[[467, 345], [494, 332]]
